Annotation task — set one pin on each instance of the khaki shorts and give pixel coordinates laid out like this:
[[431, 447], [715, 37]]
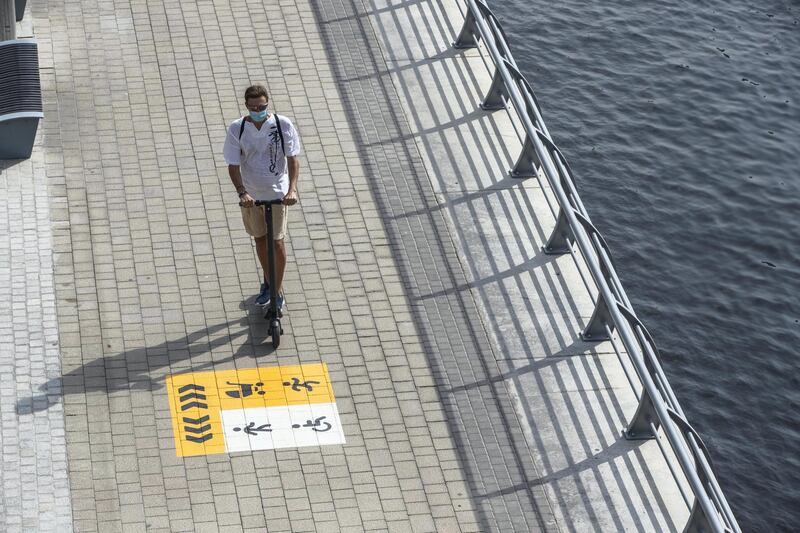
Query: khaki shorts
[[256, 225]]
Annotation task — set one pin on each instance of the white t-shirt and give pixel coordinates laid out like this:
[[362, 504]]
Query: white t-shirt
[[259, 156]]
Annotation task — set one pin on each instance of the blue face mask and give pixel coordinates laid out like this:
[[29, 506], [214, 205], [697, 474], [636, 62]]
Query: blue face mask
[[258, 116]]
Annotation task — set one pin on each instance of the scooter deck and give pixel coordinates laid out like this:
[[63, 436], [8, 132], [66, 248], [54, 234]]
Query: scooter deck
[[268, 313]]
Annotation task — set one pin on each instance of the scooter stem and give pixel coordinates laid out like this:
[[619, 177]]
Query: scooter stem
[[273, 289]]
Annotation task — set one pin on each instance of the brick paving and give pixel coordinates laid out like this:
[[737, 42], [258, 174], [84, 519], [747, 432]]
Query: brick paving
[[34, 489], [482, 420], [144, 263]]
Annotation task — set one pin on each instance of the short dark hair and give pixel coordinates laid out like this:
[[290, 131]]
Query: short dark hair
[[255, 91]]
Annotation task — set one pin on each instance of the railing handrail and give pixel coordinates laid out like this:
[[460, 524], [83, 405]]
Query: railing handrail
[[613, 307]]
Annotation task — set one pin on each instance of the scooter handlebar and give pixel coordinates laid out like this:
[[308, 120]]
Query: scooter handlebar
[[265, 202]]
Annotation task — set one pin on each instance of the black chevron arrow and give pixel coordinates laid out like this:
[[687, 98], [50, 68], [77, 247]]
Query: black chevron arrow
[[198, 430], [199, 439], [195, 420], [194, 404], [190, 386], [193, 395]]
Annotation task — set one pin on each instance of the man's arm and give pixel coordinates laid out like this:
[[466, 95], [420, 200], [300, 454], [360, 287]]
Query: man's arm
[[294, 172], [236, 177]]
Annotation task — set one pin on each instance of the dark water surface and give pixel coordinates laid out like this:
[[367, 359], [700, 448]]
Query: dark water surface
[[681, 121]]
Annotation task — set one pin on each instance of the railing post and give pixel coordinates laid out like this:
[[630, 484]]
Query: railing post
[[640, 428], [527, 165], [468, 37], [698, 521], [595, 330], [560, 241], [497, 95]]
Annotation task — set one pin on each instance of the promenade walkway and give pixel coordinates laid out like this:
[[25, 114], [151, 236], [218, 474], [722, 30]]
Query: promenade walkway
[[462, 393]]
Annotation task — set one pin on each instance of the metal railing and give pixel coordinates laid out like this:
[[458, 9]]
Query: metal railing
[[658, 405]]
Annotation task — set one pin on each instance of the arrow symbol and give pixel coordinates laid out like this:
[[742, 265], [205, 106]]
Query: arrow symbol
[[194, 404], [195, 420], [199, 439], [198, 430], [190, 386], [192, 395]]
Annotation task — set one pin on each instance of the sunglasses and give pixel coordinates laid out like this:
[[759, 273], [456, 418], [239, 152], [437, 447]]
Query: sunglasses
[[261, 107]]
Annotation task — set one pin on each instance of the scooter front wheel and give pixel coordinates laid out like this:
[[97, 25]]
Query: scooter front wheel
[[276, 333]]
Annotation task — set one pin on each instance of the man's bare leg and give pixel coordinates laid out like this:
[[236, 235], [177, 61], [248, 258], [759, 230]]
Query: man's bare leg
[[280, 263], [261, 250]]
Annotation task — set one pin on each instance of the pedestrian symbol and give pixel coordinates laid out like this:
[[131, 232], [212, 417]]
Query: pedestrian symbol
[[250, 430], [253, 409]]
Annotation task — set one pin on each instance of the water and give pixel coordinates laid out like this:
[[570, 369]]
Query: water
[[681, 122]]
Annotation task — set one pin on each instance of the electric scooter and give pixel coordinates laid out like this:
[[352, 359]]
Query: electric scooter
[[273, 314]]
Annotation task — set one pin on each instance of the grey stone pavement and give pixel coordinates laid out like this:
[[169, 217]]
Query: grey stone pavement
[[467, 400]]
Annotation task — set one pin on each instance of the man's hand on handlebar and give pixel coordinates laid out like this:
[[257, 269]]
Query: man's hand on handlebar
[[246, 200], [290, 198]]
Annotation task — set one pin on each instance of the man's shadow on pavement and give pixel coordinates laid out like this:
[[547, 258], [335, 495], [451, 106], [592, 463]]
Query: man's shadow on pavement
[[131, 370]]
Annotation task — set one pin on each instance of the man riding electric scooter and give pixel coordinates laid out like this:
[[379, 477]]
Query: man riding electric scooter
[[261, 150]]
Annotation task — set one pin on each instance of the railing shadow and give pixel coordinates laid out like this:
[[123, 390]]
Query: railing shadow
[[504, 269], [426, 269]]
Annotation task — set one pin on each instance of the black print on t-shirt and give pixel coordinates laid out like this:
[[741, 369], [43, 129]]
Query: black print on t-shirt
[[273, 148]]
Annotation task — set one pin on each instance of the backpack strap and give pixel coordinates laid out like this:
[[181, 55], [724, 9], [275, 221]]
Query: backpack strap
[[241, 130], [280, 132]]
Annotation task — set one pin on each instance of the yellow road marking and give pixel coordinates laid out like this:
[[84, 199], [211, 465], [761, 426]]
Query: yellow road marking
[[196, 399]]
